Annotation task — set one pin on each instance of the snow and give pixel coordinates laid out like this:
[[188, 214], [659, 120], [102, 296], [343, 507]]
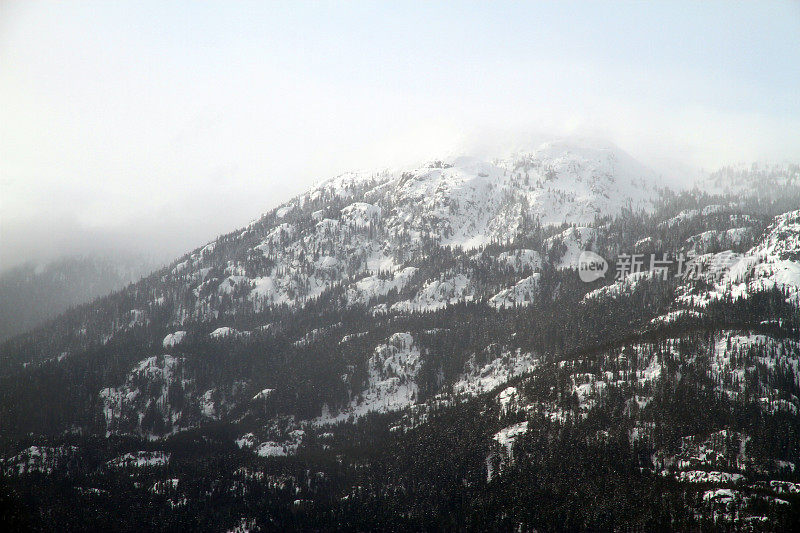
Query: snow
[[376, 286], [520, 259], [690, 214], [207, 405], [246, 441], [386, 215], [173, 339], [391, 386], [282, 445], [146, 386], [283, 211], [438, 294], [472, 202], [38, 459], [681, 217], [360, 214], [272, 448], [702, 476], [507, 397], [729, 368], [315, 334], [180, 267], [224, 331], [522, 293], [506, 436], [772, 263], [720, 495], [163, 486], [245, 525], [494, 373], [712, 209], [575, 240], [263, 394], [140, 459], [674, 316], [91, 490], [136, 317], [736, 235], [785, 487], [651, 373], [623, 286], [350, 337], [230, 283]]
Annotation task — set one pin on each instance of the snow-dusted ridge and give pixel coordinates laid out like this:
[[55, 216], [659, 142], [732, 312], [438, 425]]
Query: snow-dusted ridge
[[384, 215], [773, 263]]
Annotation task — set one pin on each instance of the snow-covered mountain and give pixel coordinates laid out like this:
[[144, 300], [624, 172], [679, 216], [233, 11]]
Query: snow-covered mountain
[[773, 264], [469, 202], [434, 316], [759, 179], [365, 230]]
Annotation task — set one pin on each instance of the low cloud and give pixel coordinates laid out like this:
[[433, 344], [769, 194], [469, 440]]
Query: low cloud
[[124, 131]]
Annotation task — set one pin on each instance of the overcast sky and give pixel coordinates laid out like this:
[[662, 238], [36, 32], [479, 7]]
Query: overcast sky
[[157, 126]]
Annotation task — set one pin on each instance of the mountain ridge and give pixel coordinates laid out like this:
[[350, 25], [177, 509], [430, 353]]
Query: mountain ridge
[[358, 326]]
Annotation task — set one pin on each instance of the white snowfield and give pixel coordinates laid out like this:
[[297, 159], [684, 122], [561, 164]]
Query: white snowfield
[[721, 495], [622, 286], [173, 339], [160, 372], [702, 476], [222, 332], [271, 448], [507, 436]]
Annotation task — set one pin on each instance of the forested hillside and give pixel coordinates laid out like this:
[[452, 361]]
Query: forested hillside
[[416, 350]]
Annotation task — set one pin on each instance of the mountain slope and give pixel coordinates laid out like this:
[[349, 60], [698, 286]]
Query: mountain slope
[[31, 294], [415, 350], [372, 225]]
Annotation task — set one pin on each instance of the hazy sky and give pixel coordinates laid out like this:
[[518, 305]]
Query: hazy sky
[[156, 126]]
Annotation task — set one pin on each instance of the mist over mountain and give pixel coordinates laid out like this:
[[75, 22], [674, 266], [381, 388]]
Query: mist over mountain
[[414, 349], [400, 266], [33, 293]]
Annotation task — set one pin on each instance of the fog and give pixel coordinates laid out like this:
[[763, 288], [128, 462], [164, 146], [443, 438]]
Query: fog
[[154, 128]]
